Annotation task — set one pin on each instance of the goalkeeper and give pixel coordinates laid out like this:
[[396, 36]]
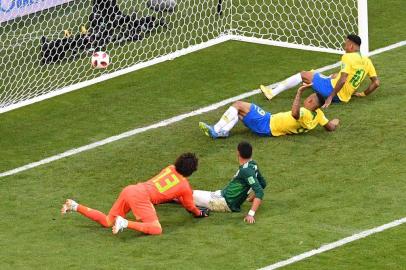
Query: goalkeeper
[[236, 192], [171, 183], [338, 87]]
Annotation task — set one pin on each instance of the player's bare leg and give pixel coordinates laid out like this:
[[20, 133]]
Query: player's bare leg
[[242, 107], [227, 121], [307, 76]]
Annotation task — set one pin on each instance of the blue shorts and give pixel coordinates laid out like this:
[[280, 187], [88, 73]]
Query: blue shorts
[[322, 85], [258, 120]]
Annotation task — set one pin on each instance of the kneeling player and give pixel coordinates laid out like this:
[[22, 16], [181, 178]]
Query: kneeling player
[[236, 192], [171, 183], [298, 120]]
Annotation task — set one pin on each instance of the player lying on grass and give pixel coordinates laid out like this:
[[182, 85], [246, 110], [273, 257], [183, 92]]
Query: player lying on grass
[[236, 192], [338, 87], [171, 183], [298, 120]]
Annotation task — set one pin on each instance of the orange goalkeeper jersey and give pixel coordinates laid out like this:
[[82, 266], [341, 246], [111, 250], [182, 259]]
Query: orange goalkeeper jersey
[[169, 185]]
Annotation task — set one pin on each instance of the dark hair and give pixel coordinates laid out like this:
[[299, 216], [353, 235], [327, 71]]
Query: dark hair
[[320, 99], [186, 164], [354, 38], [245, 150]]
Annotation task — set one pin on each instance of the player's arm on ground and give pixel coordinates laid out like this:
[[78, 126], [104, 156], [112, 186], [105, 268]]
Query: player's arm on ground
[[373, 85], [259, 194], [345, 70], [186, 200], [249, 218], [296, 101], [332, 125], [329, 125]]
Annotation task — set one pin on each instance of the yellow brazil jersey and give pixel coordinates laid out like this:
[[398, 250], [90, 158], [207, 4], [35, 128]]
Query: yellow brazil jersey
[[357, 67], [284, 123]]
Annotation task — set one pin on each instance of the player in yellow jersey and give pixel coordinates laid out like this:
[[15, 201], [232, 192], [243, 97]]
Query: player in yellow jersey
[[337, 87], [298, 120]]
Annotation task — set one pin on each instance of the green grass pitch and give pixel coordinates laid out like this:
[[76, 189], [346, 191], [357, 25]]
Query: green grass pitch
[[321, 186]]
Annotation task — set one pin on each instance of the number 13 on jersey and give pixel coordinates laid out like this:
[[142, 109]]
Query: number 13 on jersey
[[165, 180]]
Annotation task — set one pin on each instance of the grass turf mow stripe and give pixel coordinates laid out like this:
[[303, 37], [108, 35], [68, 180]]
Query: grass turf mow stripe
[[336, 244], [165, 122]]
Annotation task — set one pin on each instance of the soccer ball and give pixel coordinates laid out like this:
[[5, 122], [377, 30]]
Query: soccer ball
[[100, 60], [162, 5]]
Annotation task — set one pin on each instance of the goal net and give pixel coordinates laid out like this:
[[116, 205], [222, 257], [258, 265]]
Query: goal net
[[311, 24], [46, 45]]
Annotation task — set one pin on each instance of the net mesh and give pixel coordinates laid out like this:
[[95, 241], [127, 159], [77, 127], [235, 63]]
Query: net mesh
[[50, 48], [317, 23]]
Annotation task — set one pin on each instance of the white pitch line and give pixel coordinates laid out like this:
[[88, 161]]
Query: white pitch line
[[130, 133], [336, 244], [388, 48], [162, 123]]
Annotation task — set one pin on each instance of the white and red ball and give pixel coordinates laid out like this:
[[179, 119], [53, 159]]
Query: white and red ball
[[100, 60]]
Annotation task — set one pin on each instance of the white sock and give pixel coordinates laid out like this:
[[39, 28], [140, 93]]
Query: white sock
[[287, 84], [227, 121], [125, 225], [74, 205]]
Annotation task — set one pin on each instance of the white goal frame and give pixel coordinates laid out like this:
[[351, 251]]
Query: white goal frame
[[229, 35]]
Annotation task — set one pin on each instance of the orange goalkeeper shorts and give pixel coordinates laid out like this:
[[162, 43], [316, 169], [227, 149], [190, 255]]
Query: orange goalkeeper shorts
[[136, 199]]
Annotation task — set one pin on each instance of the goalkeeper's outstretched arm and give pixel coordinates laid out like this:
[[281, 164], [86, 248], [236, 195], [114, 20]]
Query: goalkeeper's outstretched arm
[[187, 202]]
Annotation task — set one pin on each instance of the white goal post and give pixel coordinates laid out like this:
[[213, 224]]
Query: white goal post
[[46, 45], [363, 25]]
